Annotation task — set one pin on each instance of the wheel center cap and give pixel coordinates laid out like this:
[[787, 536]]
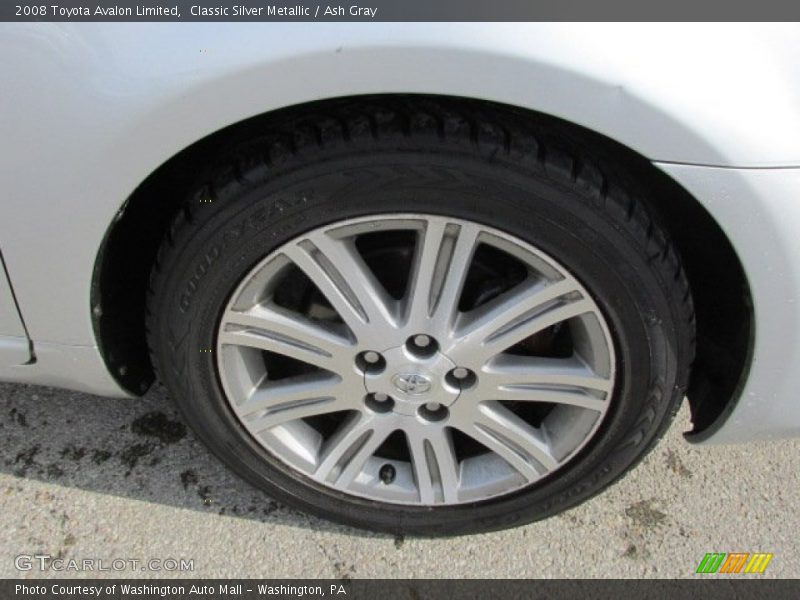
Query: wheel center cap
[[412, 381], [412, 384]]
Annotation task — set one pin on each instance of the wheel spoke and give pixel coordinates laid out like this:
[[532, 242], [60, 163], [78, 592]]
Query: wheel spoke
[[349, 449], [557, 380], [515, 441], [527, 309], [441, 262], [286, 402], [435, 465], [343, 277], [273, 329], [426, 271]]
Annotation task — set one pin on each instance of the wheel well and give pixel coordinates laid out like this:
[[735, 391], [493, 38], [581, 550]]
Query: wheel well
[[719, 287]]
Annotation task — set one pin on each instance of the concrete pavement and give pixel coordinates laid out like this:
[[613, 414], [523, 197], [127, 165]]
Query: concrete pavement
[[87, 477]]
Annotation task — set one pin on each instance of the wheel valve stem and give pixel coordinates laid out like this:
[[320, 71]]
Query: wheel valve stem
[[387, 474]]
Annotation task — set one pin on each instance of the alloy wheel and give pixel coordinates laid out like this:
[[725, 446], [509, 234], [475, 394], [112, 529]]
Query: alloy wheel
[[416, 359]]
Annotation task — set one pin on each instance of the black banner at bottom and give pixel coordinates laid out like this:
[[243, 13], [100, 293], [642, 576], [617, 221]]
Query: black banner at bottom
[[413, 589]]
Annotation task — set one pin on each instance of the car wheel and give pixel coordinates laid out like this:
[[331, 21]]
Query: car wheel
[[421, 317]]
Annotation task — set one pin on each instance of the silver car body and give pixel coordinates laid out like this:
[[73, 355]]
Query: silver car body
[[90, 110]]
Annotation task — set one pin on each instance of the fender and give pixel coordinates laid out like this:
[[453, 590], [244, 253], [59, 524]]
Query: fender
[[126, 103]]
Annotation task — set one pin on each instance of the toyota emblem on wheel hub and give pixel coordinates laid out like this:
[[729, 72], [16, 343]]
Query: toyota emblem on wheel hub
[[412, 384]]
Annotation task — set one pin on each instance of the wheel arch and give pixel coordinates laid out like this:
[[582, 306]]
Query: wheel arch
[[130, 247]]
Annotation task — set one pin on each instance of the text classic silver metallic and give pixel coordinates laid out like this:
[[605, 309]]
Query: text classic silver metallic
[[423, 278]]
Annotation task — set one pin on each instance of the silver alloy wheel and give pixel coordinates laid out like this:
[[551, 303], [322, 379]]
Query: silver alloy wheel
[[325, 379]]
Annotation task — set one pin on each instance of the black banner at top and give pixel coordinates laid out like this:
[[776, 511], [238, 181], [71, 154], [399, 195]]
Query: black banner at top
[[399, 10]]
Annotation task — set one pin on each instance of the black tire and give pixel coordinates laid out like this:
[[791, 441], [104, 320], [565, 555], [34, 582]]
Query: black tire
[[462, 159]]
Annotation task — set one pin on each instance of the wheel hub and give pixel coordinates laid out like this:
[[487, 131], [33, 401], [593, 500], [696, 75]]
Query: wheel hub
[[411, 380]]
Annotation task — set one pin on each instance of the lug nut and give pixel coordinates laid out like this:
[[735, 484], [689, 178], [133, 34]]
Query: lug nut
[[433, 411], [422, 341], [422, 345], [461, 377], [460, 372], [379, 403], [370, 361]]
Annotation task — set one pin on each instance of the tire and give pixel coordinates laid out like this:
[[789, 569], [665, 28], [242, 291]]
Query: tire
[[440, 161]]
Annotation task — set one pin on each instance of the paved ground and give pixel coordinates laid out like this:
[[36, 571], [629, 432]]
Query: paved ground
[[86, 477]]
